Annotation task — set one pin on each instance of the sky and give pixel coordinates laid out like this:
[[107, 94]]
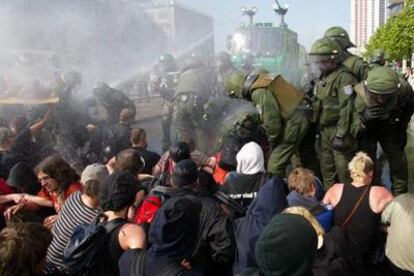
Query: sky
[[309, 18]]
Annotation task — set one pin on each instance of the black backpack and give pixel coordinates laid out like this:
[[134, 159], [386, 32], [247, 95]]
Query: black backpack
[[87, 246]]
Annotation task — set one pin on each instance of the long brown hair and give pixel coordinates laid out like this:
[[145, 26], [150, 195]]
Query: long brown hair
[[60, 170]]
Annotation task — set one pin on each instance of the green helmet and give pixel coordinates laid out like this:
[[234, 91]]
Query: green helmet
[[234, 85], [168, 62], [340, 35], [382, 81], [326, 48], [378, 57]]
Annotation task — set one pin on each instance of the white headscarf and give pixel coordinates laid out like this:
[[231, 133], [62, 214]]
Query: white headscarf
[[250, 159]]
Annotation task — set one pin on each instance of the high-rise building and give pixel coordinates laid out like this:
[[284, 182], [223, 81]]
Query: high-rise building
[[366, 17], [187, 29]]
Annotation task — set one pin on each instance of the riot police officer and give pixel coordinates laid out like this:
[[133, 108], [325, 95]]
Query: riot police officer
[[164, 83], [333, 105], [281, 112], [113, 101], [355, 64], [383, 108], [192, 93]]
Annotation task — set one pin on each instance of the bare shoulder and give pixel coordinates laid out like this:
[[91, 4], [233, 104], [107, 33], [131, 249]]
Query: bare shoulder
[[379, 198], [333, 195], [381, 192], [132, 236], [133, 229]]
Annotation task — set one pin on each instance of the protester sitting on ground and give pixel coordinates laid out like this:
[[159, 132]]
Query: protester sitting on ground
[[129, 160], [287, 246], [206, 163], [139, 143], [173, 236], [58, 182], [79, 208], [251, 175], [22, 180], [329, 259], [303, 193], [23, 249], [179, 151], [116, 196], [214, 251], [399, 217], [270, 200], [357, 209], [302, 211]]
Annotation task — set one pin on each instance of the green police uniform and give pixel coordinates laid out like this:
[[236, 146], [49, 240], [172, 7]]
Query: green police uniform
[[192, 92], [383, 108], [354, 63], [333, 108], [281, 111], [164, 83]]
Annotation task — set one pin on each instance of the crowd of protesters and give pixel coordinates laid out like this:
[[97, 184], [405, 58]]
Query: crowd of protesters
[[182, 212], [252, 224]]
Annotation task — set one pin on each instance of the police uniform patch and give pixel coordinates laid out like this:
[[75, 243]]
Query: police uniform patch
[[348, 90]]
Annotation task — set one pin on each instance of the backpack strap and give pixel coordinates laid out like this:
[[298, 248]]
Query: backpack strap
[[112, 225], [357, 204]]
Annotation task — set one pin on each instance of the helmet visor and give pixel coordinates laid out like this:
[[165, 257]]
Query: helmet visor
[[381, 99]]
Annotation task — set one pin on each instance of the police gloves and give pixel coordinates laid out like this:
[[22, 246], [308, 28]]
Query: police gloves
[[338, 143], [372, 113]]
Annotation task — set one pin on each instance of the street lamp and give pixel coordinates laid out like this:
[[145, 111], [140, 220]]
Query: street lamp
[[281, 11], [250, 13]]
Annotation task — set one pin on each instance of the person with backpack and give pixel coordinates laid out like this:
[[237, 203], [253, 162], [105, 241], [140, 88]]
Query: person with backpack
[[95, 249], [173, 236], [79, 208], [116, 196]]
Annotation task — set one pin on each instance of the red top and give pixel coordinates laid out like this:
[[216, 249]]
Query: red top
[[5, 190], [76, 186]]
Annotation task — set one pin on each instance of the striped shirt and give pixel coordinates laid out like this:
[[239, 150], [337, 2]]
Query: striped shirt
[[73, 213]]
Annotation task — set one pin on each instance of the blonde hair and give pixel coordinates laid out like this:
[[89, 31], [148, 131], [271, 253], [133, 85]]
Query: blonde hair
[[301, 180], [307, 215], [360, 165]]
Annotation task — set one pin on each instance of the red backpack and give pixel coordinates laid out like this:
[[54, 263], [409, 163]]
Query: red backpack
[[157, 194], [149, 207]]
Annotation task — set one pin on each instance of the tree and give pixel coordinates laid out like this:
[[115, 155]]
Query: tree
[[396, 37]]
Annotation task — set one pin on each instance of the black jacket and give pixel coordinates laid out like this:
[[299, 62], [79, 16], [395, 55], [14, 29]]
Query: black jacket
[[214, 251], [150, 158]]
